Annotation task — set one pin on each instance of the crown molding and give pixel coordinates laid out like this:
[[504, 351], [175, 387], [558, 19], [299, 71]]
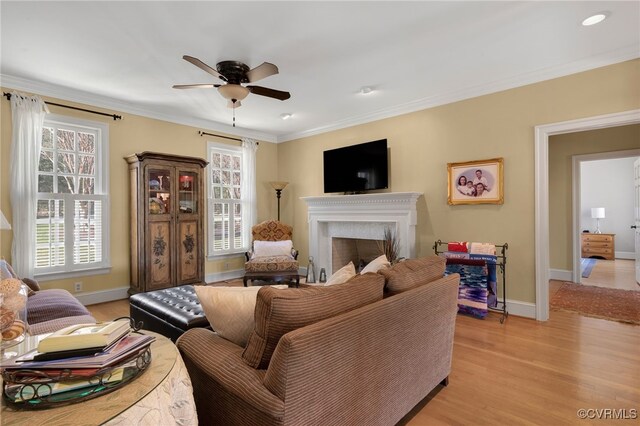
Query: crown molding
[[79, 96], [586, 64]]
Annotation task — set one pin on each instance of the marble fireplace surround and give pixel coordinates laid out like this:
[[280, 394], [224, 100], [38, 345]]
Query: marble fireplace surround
[[363, 216]]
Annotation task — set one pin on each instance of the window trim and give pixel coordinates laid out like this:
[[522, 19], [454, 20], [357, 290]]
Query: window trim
[[234, 150], [101, 184]]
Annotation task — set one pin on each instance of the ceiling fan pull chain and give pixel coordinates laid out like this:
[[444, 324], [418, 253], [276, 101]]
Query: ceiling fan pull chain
[[234, 114]]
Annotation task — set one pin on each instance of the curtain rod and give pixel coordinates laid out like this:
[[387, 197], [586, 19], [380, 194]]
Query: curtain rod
[[114, 116], [201, 133]]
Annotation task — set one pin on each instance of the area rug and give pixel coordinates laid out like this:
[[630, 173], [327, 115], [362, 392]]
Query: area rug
[[599, 302], [586, 265]]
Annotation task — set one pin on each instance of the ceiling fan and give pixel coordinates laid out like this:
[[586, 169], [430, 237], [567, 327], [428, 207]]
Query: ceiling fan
[[234, 74]]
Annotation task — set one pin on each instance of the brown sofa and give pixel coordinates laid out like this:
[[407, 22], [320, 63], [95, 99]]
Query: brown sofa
[[367, 365]]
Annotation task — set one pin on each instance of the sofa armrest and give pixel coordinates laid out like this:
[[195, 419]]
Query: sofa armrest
[[226, 390]]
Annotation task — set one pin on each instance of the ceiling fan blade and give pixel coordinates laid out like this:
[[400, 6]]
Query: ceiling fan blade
[[271, 93], [231, 105], [195, 86], [261, 71], [198, 63]]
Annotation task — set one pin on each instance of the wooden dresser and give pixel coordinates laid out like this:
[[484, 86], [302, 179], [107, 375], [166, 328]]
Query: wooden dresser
[[598, 245]]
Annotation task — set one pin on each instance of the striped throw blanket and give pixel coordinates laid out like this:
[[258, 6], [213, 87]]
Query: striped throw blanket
[[472, 293]]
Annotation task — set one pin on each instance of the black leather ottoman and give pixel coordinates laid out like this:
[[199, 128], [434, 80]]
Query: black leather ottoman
[[170, 312]]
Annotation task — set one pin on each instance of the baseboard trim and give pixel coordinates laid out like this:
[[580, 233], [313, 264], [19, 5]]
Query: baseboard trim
[[521, 309], [224, 276], [625, 255], [102, 296], [560, 274]]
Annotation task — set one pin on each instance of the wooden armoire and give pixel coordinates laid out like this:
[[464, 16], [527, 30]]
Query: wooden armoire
[[167, 214]]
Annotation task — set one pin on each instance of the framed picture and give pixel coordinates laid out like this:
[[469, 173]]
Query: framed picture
[[476, 182]]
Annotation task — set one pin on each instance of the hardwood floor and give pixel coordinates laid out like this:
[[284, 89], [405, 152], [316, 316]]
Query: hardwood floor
[[619, 273], [525, 372]]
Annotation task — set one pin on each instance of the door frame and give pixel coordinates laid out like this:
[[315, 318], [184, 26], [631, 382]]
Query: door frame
[[541, 148], [576, 162]]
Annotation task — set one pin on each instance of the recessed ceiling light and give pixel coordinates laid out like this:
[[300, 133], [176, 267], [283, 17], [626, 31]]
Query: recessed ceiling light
[[365, 90], [594, 19], [286, 115]]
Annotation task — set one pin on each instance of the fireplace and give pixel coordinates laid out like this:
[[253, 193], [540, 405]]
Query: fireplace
[[363, 217], [356, 250]]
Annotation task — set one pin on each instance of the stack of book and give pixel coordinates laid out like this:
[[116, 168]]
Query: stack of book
[[76, 363]]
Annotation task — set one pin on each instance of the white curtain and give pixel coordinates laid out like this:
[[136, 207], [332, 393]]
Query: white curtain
[[248, 189], [27, 115]]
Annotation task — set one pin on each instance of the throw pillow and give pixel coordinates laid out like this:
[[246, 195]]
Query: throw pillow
[[229, 310], [376, 264], [342, 275], [412, 273], [279, 312], [272, 248]]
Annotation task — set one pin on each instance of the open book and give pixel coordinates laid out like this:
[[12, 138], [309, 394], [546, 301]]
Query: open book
[[84, 336]]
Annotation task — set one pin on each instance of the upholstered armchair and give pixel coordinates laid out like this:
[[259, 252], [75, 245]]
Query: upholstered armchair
[[272, 248]]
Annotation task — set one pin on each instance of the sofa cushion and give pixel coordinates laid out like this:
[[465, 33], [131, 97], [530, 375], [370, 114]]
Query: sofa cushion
[[376, 264], [412, 273], [281, 311], [342, 275], [229, 310], [50, 304]]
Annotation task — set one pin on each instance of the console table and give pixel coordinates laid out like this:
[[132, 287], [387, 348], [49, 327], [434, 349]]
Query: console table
[[161, 395]]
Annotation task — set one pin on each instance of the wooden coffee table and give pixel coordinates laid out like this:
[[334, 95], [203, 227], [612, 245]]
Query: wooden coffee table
[[290, 277]]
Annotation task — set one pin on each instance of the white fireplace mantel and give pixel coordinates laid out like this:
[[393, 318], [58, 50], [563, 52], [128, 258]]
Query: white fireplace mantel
[[363, 216]]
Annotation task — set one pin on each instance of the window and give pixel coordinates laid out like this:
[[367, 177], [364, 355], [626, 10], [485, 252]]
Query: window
[[72, 198], [227, 204]]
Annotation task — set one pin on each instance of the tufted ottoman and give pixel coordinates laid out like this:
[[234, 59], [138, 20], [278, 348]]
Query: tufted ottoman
[[170, 312]]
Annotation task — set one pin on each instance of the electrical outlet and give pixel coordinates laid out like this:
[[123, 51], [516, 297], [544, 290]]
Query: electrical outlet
[[77, 287]]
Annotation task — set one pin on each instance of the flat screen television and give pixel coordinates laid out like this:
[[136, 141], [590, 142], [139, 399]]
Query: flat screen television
[[356, 168]]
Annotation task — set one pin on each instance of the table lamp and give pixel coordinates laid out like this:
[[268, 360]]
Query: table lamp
[[597, 213], [4, 223], [278, 186]]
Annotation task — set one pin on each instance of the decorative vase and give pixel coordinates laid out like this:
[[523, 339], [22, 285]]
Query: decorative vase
[[323, 276], [13, 312], [311, 271]]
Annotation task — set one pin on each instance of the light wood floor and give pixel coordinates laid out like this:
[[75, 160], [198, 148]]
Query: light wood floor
[[524, 372], [619, 273]]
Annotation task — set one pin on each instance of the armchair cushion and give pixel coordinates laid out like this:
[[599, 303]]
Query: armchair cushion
[[272, 248], [271, 264], [281, 311]]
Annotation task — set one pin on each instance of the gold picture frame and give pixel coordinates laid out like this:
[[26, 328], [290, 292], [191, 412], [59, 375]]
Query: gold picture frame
[[476, 182]]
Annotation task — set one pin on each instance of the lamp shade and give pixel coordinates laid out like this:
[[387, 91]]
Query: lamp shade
[[597, 212], [4, 223], [233, 91], [279, 186]]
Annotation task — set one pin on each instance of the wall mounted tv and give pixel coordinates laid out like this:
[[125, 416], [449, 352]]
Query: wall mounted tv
[[356, 168]]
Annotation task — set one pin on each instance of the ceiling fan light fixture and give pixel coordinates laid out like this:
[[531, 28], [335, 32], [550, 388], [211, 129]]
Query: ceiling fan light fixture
[[233, 91], [595, 19]]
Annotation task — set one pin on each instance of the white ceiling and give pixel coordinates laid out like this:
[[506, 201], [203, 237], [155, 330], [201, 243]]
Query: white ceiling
[[127, 55]]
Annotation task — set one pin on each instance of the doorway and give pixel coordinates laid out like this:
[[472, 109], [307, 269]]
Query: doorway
[[612, 199], [542, 134]]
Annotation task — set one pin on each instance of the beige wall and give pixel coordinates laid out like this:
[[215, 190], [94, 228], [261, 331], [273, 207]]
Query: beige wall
[[421, 144], [129, 135], [561, 150], [497, 125]]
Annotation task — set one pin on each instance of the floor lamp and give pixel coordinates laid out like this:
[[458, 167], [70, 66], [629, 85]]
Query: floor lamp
[[279, 186], [597, 213]]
